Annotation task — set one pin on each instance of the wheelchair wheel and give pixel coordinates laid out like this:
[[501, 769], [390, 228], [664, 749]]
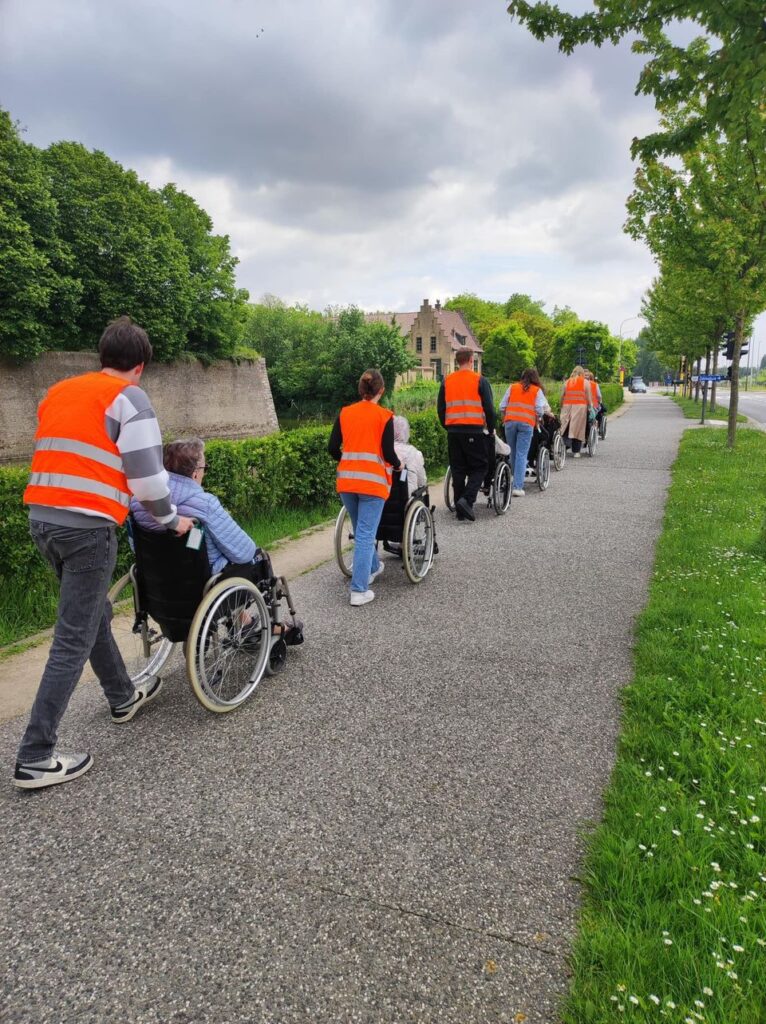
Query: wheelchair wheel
[[229, 644], [449, 494], [543, 468], [344, 536], [417, 541], [277, 657], [592, 441], [143, 647], [501, 488], [559, 452], [602, 427]]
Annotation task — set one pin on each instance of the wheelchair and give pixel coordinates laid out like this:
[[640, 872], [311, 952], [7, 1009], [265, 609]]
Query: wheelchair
[[601, 419], [406, 529], [499, 497], [548, 447], [225, 624]]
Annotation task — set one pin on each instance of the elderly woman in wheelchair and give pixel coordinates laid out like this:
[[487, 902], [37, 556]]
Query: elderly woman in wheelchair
[[220, 598]]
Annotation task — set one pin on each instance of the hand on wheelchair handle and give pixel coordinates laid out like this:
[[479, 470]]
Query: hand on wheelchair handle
[[184, 525]]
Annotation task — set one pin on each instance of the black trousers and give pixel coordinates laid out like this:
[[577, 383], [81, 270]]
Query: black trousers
[[468, 462]]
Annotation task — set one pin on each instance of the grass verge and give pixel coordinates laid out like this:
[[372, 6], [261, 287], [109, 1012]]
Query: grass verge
[[673, 925], [692, 410]]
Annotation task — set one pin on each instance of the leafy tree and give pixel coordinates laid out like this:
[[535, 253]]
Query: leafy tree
[[481, 315], [217, 313], [37, 291], [576, 343], [519, 303], [507, 351], [128, 258], [354, 346], [724, 72], [542, 334], [563, 315]]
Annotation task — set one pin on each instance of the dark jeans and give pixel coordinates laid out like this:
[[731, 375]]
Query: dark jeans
[[468, 462], [84, 561], [573, 442]]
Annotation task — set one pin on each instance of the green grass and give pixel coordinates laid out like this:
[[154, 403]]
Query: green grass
[[692, 410], [284, 524], [675, 876]]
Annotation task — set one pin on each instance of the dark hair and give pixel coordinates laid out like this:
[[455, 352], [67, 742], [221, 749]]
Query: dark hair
[[370, 383], [183, 457], [529, 377], [463, 356], [124, 345]]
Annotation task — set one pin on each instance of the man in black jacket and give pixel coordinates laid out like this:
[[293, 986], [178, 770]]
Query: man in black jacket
[[466, 410]]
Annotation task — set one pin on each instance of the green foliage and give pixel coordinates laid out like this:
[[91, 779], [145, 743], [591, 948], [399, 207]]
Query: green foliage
[[576, 343], [37, 291], [507, 352], [415, 397], [319, 358]]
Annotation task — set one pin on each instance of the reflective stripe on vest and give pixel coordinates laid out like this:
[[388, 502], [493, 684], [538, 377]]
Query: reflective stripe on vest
[[521, 404], [76, 465], [462, 400], [362, 468], [574, 392]]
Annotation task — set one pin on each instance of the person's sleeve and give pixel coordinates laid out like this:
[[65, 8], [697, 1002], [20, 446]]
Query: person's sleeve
[[336, 440], [488, 402], [441, 406], [504, 401], [419, 465], [227, 535], [387, 444], [132, 425], [541, 403]]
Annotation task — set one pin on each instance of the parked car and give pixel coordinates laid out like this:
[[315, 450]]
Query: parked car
[[637, 386]]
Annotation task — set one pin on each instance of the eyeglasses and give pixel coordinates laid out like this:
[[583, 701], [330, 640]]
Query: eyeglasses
[[203, 466]]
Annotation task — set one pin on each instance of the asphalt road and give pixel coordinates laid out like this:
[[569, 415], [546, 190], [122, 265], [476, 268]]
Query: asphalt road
[[386, 833], [751, 403]]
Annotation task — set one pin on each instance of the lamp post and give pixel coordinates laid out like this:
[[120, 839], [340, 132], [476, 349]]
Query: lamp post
[[597, 346], [619, 354]]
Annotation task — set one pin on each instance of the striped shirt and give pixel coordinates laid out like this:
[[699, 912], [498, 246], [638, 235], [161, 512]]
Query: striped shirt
[[131, 423]]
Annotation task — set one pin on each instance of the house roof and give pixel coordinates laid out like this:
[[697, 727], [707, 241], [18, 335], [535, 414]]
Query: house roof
[[451, 321]]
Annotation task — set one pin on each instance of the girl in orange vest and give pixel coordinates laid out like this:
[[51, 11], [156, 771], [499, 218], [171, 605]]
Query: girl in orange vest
[[521, 407], [575, 403], [362, 443]]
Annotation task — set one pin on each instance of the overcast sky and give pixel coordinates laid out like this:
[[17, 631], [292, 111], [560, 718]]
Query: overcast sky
[[374, 153]]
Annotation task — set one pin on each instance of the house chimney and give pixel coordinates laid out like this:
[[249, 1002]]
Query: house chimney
[[438, 305]]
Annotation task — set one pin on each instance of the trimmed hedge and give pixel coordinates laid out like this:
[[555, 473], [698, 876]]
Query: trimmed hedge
[[251, 477]]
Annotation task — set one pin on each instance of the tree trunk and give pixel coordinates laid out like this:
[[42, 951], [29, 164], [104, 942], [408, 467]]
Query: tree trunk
[[739, 322], [713, 393]]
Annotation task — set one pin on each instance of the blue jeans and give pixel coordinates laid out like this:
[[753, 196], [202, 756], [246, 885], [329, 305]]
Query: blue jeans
[[84, 562], [519, 437], [364, 511]]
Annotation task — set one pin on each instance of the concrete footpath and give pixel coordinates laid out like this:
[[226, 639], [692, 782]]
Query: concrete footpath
[[386, 833]]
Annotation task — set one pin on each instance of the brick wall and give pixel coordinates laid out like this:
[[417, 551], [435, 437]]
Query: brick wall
[[223, 400]]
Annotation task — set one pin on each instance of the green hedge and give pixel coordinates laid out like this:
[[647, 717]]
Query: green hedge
[[251, 477]]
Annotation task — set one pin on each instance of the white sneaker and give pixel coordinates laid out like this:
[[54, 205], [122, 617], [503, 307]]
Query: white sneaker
[[378, 572], [576, 455], [518, 492], [364, 597], [50, 771], [144, 693]]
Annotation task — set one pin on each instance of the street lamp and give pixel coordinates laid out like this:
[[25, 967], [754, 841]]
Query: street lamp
[[626, 320], [597, 346]]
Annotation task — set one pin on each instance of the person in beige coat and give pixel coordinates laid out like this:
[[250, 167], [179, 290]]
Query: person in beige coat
[[576, 404]]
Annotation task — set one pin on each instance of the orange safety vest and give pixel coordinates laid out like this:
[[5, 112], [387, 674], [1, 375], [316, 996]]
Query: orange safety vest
[[362, 468], [521, 404], [574, 392], [462, 400], [594, 394], [76, 465]]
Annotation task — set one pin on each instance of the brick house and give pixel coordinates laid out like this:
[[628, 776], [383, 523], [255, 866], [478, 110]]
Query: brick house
[[435, 335]]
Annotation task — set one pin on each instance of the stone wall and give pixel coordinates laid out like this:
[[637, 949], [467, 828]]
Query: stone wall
[[223, 400]]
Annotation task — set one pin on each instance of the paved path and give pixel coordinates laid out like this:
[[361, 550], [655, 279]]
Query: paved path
[[386, 834]]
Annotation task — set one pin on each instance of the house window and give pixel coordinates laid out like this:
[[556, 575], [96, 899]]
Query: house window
[[433, 343], [475, 365], [418, 344]]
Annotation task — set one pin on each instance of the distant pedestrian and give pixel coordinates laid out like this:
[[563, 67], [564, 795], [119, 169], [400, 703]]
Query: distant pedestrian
[[466, 410], [576, 403], [362, 443], [97, 442], [522, 407]]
